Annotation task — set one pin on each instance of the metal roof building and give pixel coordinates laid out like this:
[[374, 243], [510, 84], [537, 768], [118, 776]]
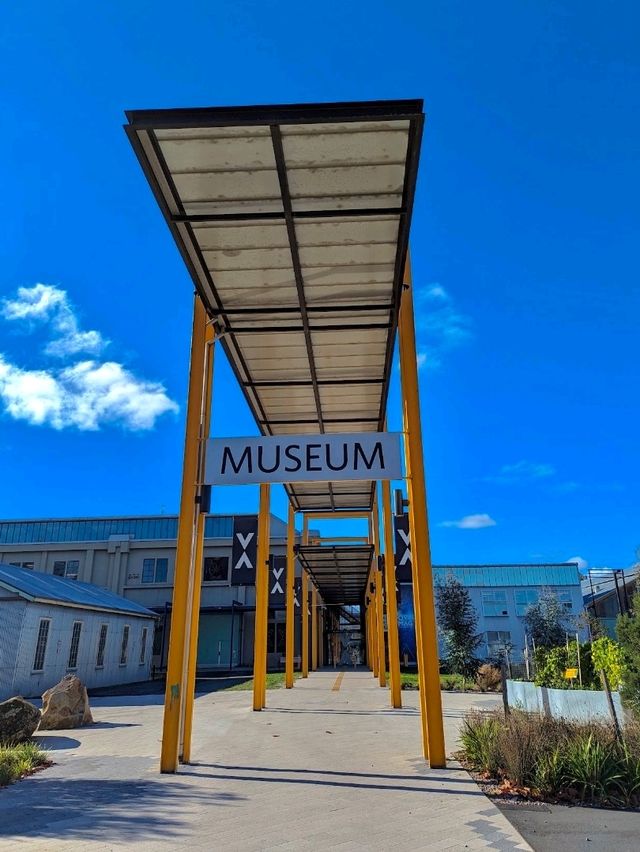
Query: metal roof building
[[50, 626]]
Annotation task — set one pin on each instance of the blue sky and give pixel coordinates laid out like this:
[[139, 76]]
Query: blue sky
[[522, 249]]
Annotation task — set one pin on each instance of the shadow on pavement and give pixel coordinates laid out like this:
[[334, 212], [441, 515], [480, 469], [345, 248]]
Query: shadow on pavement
[[54, 743], [108, 810]]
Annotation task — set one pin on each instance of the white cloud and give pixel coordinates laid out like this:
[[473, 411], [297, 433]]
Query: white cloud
[[84, 394], [522, 471], [471, 522], [48, 304], [440, 327], [582, 563]]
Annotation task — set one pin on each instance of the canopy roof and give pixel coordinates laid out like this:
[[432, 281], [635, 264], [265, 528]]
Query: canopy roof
[[293, 222], [339, 571]]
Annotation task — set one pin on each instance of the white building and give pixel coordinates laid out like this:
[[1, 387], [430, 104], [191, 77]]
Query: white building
[[51, 626]]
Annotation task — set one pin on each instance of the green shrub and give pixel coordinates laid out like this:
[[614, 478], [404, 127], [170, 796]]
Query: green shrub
[[628, 630], [607, 656], [593, 767], [19, 760], [479, 738], [549, 771]]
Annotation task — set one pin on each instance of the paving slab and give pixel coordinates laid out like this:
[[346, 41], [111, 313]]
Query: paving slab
[[318, 769]]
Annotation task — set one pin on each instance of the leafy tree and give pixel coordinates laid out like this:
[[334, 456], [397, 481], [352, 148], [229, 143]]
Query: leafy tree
[[544, 621], [628, 629], [457, 622]]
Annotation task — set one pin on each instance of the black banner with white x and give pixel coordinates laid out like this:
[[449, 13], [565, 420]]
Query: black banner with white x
[[402, 549], [277, 579], [244, 550]]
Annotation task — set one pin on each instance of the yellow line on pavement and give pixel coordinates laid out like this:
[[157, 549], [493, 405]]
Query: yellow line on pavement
[[336, 686]]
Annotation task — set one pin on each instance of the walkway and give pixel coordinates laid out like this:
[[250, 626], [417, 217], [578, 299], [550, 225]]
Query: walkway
[[327, 766]]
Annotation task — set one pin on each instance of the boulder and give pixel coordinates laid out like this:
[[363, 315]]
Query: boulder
[[18, 720], [65, 705]]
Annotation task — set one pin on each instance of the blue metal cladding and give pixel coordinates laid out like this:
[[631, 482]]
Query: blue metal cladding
[[36, 585], [100, 529], [511, 575]]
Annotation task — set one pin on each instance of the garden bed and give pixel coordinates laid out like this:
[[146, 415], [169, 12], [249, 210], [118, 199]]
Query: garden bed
[[524, 757]]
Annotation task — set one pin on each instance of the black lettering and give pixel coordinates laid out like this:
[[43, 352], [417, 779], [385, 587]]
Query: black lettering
[[288, 452], [345, 458], [313, 457], [261, 460], [368, 463], [245, 457]]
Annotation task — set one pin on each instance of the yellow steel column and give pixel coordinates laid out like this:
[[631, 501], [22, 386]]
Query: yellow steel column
[[392, 603], [186, 524], [192, 662], [314, 628], [304, 608], [267, 585], [262, 601], [290, 603], [382, 657], [420, 550]]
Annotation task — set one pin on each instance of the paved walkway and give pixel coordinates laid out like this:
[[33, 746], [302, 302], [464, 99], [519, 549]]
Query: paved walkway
[[322, 769]]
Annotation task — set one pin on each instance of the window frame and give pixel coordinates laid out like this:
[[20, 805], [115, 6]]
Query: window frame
[[154, 563], [102, 645], [143, 646], [74, 651], [217, 558], [567, 599], [521, 608], [124, 645], [492, 651], [490, 601], [41, 643]]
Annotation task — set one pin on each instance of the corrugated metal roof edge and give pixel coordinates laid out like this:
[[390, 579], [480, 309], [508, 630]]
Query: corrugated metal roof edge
[[129, 607]]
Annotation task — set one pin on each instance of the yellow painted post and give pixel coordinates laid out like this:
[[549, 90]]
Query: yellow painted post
[[314, 628], [267, 585], [196, 586], [420, 549], [262, 602], [184, 551], [392, 602], [379, 597], [290, 602], [304, 604]]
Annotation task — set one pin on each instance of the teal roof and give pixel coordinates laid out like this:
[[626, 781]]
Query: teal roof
[[552, 574], [44, 588]]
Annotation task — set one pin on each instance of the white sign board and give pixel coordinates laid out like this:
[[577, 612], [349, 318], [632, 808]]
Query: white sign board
[[303, 458]]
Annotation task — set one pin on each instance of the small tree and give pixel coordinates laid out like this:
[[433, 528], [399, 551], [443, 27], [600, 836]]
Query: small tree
[[628, 629], [544, 621], [457, 622]]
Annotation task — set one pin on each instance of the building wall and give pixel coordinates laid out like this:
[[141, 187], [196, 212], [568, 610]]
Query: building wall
[[29, 683], [11, 620]]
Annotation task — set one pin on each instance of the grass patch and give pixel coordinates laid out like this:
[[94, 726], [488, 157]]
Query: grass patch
[[534, 757], [275, 680], [19, 760], [455, 682]]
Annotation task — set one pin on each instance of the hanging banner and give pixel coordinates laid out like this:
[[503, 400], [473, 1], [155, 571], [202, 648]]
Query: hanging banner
[[244, 550], [402, 548], [297, 591], [277, 579], [303, 458]]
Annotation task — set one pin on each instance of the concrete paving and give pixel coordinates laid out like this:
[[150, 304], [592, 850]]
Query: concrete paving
[[327, 766]]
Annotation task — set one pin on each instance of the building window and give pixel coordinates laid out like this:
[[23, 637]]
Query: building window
[[75, 645], [276, 637], [143, 645], [41, 644], [216, 569], [524, 599], [566, 600], [102, 643], [498, 641], [494, 603], [27, 565], [155, 570], [125, 645], [67, 569]]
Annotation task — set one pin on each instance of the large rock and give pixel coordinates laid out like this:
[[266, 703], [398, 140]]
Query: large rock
[[65, 705], [18, 720]]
